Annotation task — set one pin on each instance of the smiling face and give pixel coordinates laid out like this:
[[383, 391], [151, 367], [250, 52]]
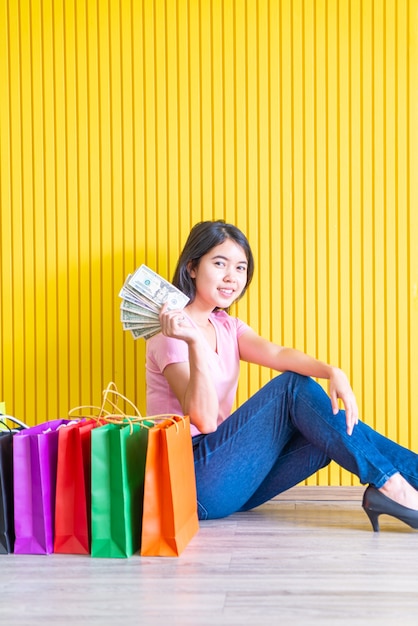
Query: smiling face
[[221, 276]]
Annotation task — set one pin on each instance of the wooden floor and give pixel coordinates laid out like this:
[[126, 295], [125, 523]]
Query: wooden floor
[[307, 557]]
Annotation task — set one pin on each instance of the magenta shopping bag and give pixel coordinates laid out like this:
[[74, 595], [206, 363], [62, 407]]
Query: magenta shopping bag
[[35, 451]]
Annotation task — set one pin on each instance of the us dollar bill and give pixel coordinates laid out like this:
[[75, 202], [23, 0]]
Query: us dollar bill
[[145, 334], [138, 317], [131, 307], [143, 294], [158, 290], [134, 297]]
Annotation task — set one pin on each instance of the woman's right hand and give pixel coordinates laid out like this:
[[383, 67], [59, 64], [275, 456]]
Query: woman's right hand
[[175, 324]]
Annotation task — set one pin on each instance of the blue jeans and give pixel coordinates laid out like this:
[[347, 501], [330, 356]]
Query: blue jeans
[[283, 434]]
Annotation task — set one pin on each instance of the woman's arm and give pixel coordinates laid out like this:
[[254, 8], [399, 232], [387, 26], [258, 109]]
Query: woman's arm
[[256, 349], [191, 382]]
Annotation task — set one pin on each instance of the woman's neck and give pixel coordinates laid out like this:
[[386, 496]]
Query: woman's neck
[[198, 315]]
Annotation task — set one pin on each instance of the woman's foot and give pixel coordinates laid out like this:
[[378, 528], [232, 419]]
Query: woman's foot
[[401, 491], [376, 503]]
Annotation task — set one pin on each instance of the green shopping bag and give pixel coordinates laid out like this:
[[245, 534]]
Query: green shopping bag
[[118, 455]]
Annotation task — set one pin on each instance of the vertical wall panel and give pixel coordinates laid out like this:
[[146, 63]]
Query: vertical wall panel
[[409, 428], [367, 194], [241, 143], [6, 260], [122, 123]]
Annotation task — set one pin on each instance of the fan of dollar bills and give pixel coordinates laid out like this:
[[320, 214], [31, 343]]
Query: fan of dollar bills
[[143, 294]]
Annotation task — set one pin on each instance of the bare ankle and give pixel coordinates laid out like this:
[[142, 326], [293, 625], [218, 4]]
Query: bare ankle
[[399, 490]]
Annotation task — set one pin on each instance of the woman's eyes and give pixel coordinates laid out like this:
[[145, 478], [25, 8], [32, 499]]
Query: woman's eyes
[[240, 268]]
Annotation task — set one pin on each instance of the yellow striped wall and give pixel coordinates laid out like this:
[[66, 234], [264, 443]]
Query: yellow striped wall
[[123, 122]]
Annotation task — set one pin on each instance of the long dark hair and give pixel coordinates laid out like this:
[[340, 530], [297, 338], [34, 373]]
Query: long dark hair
[[202, 238]]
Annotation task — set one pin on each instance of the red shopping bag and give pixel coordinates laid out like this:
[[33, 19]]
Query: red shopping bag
[[73, 489]]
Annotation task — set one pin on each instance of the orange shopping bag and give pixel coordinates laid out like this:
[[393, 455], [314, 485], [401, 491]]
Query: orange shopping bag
[[169, 519]]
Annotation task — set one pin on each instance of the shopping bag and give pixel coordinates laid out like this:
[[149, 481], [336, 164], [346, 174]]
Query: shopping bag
[[6, 493], [169, 519], [9, 425], [118, 453], [34, 482], [73, 490]]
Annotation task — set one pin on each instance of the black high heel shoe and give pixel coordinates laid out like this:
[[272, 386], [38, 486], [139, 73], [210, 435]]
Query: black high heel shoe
[[375, 503]]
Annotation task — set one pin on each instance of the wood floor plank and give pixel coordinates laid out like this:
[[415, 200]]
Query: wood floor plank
[[293, 561]]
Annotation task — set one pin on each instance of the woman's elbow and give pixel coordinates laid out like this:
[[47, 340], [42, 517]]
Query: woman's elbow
[[207, 429], [204, 425], [202, 415]]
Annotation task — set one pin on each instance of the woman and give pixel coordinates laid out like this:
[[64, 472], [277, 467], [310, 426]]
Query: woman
[[290, 428]]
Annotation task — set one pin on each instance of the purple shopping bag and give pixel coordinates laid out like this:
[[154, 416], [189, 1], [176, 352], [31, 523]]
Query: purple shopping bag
[[35, 453]]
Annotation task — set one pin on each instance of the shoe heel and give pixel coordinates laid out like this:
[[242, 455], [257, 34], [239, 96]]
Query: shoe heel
[[374, 518]]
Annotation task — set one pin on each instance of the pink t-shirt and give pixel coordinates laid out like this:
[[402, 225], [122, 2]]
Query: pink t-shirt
[[223, 365]]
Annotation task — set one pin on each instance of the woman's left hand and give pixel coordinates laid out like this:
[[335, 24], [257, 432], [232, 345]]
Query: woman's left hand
[[339, 387]]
